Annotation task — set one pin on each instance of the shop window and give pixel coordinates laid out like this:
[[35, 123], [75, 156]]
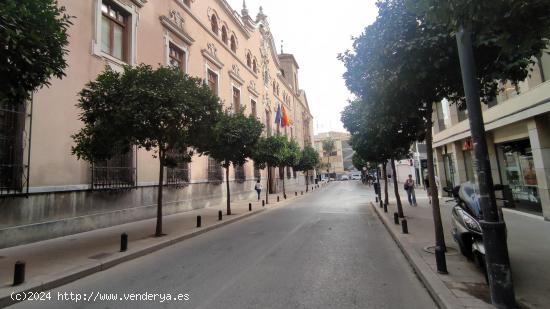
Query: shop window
[[215, 172], [118, 172], [240, 174], [114, 31], [12, 120], [212, 81], [176, 57]]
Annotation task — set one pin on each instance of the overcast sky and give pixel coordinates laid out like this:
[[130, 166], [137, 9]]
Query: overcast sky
[[315, 32]]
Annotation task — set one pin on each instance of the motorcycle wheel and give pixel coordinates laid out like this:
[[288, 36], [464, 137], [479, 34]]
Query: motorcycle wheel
[[480, 263]]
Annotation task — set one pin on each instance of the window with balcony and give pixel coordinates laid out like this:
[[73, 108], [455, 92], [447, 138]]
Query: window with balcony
[[114, 31], [215, 172], [233, 44], [248, 60], [118, 172], [255, 65], [214, 24], [212, 81], [176, 57], [253, 110], [224, 35], [12, 119], [443, 115]]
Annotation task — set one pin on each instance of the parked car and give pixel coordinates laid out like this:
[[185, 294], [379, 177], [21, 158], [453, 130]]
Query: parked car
[[344, 177], [356, 176]]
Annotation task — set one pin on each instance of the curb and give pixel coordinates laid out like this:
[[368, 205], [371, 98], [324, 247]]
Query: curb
[[437, 289], [92, 268]]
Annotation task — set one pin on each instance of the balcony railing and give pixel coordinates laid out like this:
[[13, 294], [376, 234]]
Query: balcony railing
[[215, 172], [13, 169]]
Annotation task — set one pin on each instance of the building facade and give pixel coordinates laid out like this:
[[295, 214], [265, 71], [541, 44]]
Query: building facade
[[46, 192], [518, 137], [341, 159]]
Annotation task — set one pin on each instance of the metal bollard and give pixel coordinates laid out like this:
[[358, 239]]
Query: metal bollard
[[284, 196], [396, 218], [199, 221], [385, 207], [263, 203], [377, 199], [19, 273], [302, 193], [381, 205], [219, 215], [249, 206], [295, 193], [404, 226], [277, 198], [440, 260], [123, 242]]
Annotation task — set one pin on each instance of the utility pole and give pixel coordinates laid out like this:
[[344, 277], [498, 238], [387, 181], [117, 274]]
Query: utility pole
[[494, 230]]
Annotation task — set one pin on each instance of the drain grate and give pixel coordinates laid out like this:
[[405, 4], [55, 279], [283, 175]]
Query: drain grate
[[450, 250], [99, 256]]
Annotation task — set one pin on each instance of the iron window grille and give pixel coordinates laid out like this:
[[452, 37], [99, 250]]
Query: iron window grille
[[240, 174], [257, 173], [14, 137], [178, 175], [215, 173], [288, 174], [117, 173]]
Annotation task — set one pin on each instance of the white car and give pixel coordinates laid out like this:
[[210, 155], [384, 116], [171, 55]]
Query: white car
[[356, 177], [344, 177]]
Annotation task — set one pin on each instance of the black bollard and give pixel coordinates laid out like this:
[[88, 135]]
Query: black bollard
[[396, 218], [385, 207], [249, 206], [295, 193], [440, 261], [123, 242], [302, 193], [277, 198], [404, 226], [199, 221], [219, 215], [263, 203], [284, 196], [377, 199], [19, 273]]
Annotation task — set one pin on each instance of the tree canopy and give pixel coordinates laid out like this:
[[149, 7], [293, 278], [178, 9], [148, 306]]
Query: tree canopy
[[33, 36]]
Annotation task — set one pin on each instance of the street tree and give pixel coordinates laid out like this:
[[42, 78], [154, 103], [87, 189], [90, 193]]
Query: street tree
[[269, 153], [33, 36], [291, 158], [234, 138], [161, 110], [309, 159], [519, 31]]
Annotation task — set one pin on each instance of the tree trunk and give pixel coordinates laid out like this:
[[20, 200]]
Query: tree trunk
[[158, 231], [284, 191], [379, 172], [227, 187], [268, 185], [385, 171], [307, 181], [439, 235], [396, 189]]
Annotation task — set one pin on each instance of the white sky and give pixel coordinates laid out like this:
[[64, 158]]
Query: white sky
[[315, 32]]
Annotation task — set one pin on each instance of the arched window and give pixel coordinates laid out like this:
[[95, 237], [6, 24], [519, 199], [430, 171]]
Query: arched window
[[214, 21], [224, 34], [233, 44], [274, 88], [254, 66], [248, 60]]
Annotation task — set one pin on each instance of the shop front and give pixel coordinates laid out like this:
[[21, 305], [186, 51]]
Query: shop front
[[517, 170]]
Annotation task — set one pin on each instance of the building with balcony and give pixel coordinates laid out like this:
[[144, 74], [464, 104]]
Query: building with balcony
[[340, 159], [46, 192], [517, 122]]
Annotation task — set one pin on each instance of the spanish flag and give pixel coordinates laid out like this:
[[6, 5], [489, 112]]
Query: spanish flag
[[285, 122]]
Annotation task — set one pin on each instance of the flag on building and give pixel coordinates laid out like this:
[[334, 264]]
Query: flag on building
[[285, 122], [278, 115]]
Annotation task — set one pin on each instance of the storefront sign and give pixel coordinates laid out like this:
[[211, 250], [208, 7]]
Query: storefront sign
[[468, 144]]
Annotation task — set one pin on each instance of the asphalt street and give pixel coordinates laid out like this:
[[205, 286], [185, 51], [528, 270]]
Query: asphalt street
[[325, 250]]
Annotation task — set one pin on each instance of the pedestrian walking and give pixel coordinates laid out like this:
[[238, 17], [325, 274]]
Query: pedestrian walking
[[258, 188], [409, 187]]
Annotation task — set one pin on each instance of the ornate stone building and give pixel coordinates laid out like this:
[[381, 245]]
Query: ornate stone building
[[46, 192]]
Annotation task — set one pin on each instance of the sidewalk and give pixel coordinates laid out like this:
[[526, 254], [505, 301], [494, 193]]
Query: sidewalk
[[465, 286], [58, 261]]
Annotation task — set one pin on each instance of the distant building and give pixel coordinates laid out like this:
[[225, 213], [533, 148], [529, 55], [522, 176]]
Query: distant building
[[341, 159]]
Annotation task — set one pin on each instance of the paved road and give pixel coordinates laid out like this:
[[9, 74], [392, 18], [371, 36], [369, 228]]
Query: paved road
[[326, 250]]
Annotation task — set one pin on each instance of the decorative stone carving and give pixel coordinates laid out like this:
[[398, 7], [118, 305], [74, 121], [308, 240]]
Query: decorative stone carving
[[212, 49], [177, 19], [236, 70]]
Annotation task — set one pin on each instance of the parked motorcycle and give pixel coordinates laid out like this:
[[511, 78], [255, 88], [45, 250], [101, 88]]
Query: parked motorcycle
[[466, 229]]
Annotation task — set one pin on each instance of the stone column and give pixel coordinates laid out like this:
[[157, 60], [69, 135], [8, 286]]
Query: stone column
[[539, 137]]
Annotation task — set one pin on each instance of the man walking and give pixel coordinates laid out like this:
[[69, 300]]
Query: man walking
[[258, 188], [409, 187]]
